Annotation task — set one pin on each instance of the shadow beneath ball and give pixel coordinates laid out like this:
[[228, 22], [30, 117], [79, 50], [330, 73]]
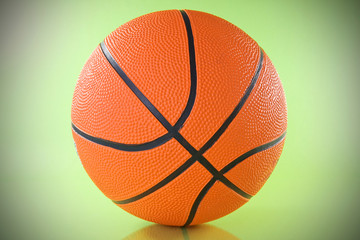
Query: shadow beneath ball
[[161, 232]]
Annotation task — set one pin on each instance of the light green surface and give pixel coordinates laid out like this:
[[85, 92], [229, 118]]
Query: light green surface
[[312, 194]]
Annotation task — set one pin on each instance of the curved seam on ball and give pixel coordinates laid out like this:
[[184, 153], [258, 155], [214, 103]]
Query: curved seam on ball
[[227, 168], [122, 146]]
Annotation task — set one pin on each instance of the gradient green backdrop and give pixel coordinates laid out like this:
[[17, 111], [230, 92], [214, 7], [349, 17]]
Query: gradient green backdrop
[[312, 194]]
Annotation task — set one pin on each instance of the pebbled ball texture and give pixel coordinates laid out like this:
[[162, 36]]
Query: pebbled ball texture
[[166, 183]]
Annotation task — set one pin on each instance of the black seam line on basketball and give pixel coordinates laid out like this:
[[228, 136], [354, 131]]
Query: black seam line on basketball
[[193, 75], [237, 109], [122, 146], [219, 176], [198, 200], [208, 166], [246, 155], [135, 90], [227, 168], [162, 183]]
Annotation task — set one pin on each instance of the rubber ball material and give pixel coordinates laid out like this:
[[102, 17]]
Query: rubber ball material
[[179, 117]]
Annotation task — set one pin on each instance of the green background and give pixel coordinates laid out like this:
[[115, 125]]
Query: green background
[[312, 194]]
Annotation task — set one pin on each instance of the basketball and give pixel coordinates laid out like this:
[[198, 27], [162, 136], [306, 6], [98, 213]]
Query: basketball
[[179, 117]]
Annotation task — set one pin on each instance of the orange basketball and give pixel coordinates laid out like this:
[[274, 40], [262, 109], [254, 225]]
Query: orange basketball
[[179, 117]]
